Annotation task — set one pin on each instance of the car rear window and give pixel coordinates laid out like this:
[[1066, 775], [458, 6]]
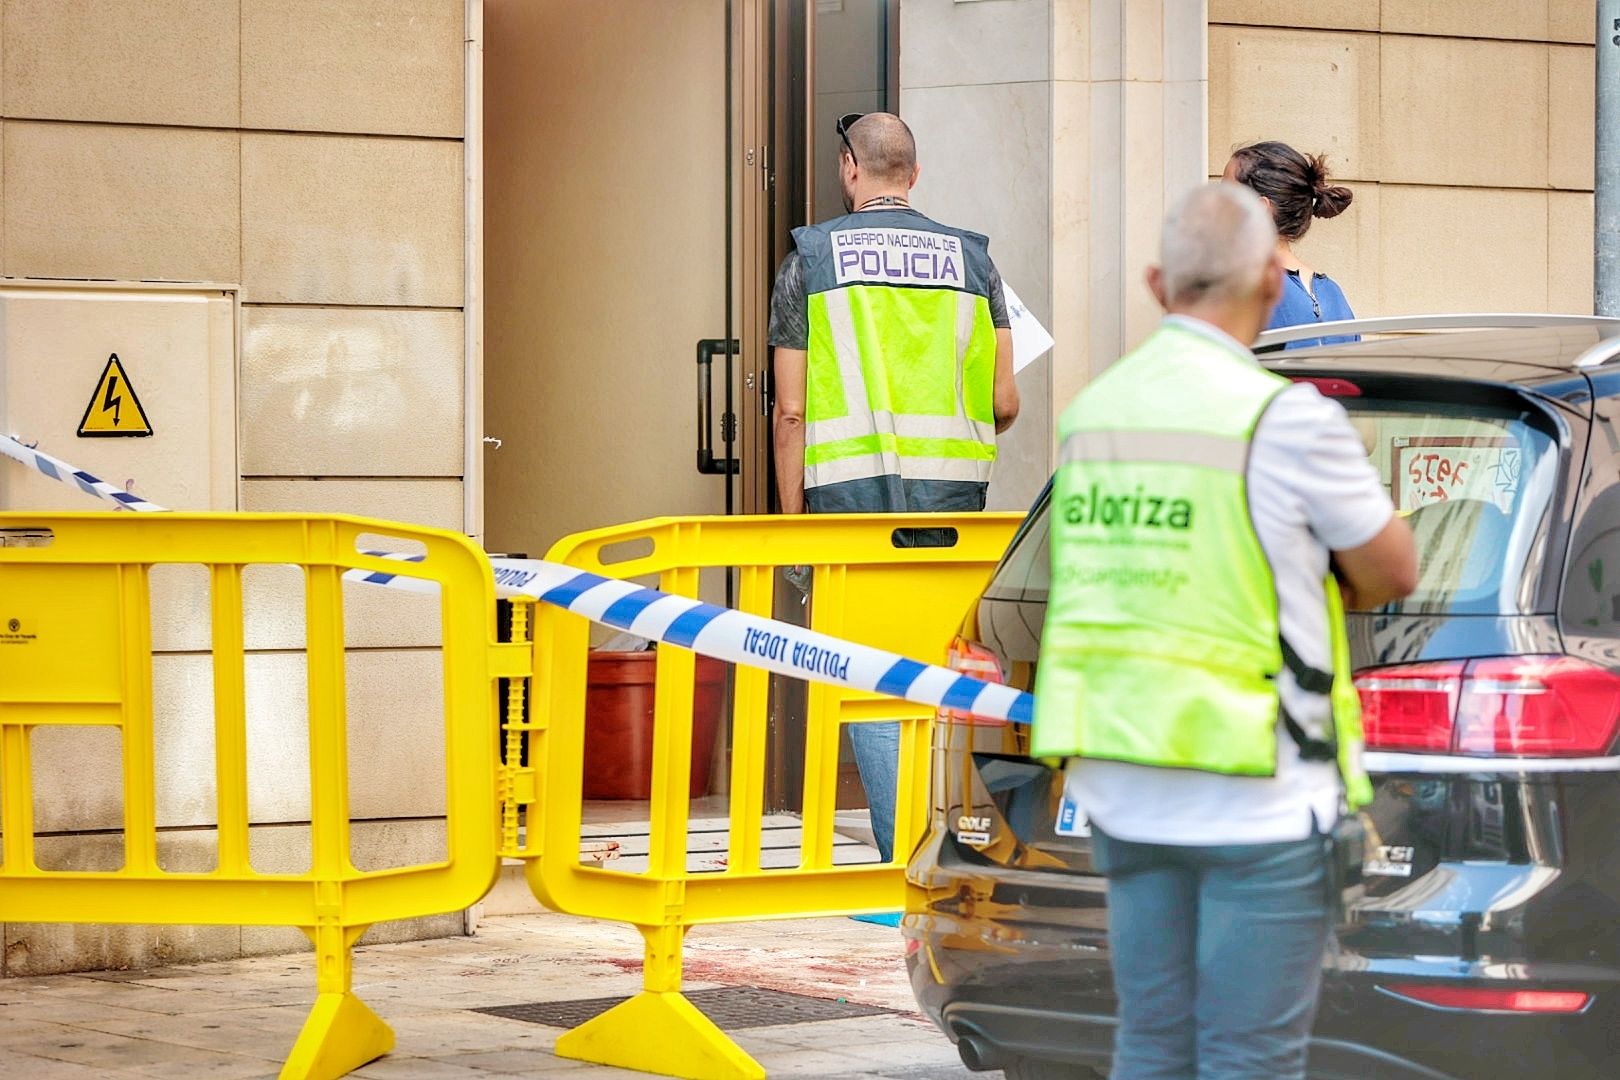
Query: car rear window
[[1025, 573], [1474, 483]]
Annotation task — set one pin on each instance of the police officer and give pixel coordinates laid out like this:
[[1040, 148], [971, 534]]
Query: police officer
[[893, 370], [1194, 667]]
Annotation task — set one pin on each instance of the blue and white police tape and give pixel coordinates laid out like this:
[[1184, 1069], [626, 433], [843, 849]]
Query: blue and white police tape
[[57, 469], [735, 636], [776, 646], [725, 634]]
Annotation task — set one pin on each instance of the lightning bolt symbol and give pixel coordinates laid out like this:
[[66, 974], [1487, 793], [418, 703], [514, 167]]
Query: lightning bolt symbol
[[111, 400]]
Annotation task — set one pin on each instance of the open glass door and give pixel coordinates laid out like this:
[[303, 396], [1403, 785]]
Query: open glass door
[[616, 231]]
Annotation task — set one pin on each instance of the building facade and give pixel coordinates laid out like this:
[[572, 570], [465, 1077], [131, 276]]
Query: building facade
[[337, 243], [306, 165], [1464, 129]]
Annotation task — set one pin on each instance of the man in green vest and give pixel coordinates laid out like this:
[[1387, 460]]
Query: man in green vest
[[1194, 669], [892, 370]]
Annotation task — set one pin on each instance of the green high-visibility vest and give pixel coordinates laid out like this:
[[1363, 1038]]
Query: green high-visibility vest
[[1162, 643], [900, 370]]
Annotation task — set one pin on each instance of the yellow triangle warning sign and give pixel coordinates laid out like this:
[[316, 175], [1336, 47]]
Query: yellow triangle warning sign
[[114, 410]]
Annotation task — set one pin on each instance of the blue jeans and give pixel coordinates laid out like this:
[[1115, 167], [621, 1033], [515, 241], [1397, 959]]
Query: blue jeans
[[877, 756], [1217, 956]]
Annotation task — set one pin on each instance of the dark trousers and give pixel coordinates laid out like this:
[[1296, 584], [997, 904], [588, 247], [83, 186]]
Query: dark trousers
[[1217, 956]]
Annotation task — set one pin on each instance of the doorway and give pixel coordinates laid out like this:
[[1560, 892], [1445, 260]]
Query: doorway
[[645, 162]]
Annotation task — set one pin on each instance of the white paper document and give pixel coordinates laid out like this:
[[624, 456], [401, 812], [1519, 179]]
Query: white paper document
[[1030, 339]]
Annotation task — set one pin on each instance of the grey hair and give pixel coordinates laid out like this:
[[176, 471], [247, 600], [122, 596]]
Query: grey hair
[[1217, 243]]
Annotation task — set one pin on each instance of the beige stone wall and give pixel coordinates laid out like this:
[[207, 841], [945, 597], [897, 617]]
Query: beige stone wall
[[1464, 127], [310, 152]]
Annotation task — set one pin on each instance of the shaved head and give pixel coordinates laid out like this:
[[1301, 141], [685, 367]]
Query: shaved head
[[884, 147]]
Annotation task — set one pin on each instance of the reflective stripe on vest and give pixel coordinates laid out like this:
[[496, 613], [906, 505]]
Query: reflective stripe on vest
[[900, 377], [1162, 643], [1222, 452]]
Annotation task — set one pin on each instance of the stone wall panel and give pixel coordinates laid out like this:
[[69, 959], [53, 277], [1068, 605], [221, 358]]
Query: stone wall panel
[[351, 392], [1317, 92], [379, 67], [1463, 112], [145, 203], [1463, 249], [351, 220], [145, 62]]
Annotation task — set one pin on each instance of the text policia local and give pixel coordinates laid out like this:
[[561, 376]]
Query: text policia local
[[514, 577], [801, 654]]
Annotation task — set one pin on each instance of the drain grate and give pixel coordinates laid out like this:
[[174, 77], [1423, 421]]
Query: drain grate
[[728, 1006]]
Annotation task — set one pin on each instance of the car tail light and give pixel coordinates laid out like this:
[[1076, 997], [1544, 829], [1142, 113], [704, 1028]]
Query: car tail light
[[968, 658], [1330, 387], [1530, 706], [1488, 999], [1412, 707], [1537, 705]]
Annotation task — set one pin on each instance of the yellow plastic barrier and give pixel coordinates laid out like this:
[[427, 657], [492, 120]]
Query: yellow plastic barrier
[[75, 649], [906, 599]]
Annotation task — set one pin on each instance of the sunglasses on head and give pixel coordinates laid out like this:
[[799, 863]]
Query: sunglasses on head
[[846, 122]]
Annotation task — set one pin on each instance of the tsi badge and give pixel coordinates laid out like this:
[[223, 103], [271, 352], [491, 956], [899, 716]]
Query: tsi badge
[[1392, 860], [973, 831]]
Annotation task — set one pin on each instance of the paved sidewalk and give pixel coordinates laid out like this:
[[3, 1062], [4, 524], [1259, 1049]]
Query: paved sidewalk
[[237, 1020]]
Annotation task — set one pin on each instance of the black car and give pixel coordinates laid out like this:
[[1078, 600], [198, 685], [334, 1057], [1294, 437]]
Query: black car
[[1484, 938]]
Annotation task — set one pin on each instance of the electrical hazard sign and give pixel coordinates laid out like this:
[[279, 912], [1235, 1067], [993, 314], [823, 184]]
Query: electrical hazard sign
[[114, 410]]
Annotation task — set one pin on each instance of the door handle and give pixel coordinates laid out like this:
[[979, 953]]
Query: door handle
[[707, 463]]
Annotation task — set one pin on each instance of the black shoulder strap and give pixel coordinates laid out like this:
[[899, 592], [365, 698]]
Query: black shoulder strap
[[1312, 680], [1309, 749]]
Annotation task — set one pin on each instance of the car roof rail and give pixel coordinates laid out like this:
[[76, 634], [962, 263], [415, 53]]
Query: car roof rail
[[1272, 340], [1598, 355]]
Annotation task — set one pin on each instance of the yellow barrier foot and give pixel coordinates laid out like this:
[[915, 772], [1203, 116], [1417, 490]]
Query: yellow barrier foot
[[341, 1034], [660, 1033]]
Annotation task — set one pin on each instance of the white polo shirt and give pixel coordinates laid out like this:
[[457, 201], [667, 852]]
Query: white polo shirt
[[1311, 491]]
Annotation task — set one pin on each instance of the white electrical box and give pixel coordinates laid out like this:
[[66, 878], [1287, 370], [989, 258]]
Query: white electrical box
[[133, 383]]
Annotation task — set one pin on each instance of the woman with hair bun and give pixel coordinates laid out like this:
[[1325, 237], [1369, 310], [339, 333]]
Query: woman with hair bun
[[1295, 190]]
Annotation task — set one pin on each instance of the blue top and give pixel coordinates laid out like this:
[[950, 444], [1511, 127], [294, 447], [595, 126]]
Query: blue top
[[1298, 306]]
